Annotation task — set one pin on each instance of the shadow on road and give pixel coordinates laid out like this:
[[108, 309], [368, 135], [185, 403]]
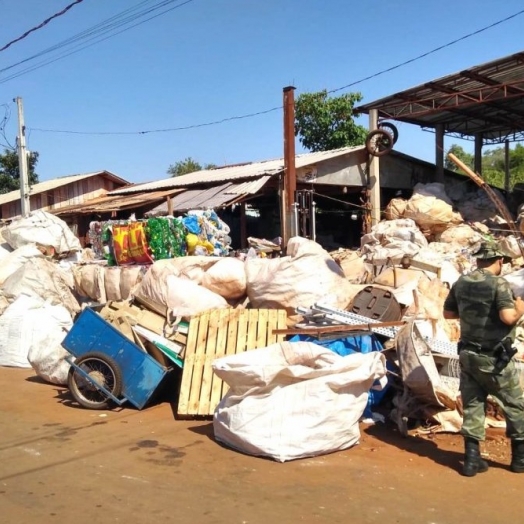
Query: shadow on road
[[423, 446]]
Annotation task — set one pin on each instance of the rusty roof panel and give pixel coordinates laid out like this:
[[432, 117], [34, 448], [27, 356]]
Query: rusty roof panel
[[238, 172], [487, 99]]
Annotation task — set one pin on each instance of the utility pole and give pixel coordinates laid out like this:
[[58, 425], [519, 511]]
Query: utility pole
[[374, 174], [25, 203], [290, 176]]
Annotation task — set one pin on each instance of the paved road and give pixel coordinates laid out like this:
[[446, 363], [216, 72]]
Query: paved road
[[60, 463]]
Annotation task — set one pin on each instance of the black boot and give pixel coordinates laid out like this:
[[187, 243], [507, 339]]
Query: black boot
[[517, 456], [473, 463]]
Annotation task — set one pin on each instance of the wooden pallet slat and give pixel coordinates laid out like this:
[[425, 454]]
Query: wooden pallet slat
[[202, 403], [225, 319], [198, 364]]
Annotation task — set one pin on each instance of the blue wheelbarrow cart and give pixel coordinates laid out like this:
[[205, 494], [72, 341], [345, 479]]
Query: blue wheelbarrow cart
[[109, 368]]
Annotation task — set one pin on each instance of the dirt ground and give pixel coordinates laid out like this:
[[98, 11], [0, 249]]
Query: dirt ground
[[62, 463]]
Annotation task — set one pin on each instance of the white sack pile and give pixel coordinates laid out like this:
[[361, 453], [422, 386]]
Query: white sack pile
[[44, 229], [294, 400], [391, 240], [16, 259], [31, 333], [43, 279], [181, 296], [308, 274], [102, 283]]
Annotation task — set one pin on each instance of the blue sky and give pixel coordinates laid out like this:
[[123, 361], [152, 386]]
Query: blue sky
[[213, 59]]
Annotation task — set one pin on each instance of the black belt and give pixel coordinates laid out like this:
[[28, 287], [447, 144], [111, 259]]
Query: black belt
[[476, 348]]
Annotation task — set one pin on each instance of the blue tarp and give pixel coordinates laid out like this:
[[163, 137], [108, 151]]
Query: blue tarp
[[361, 343]]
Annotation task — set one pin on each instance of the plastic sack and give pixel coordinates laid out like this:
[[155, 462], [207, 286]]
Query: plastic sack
[[310, 276], [44, 229], [41, 278], [294, 400], [395, 209], [46, 354], [182, 297], [15, 260], [227, 278]]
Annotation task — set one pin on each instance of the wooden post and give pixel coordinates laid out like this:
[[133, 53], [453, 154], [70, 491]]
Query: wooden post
[[243, 226], [290, 176], [439, 152], [169, 206], [374, 174]]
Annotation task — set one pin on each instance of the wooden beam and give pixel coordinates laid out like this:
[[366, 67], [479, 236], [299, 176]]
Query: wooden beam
[[374, 174]]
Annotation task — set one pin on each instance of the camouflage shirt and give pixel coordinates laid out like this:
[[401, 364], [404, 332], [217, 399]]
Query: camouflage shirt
[[477, 298]]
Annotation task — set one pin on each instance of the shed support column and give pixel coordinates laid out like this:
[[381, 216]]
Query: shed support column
[[507, 178], [374, 174], [439, 152], [478, 153], [243, 225]]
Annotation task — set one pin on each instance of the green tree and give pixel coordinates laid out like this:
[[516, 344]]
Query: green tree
[[183, 167], [324, 123], [459, 152], [10, 171], [493, 164]]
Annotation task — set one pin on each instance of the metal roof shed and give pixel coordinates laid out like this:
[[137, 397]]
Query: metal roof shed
[[484, 103]]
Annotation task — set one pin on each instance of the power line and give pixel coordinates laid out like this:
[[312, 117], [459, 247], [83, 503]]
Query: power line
[[250, 115], [39, 26], [411, 60], [92, 35]]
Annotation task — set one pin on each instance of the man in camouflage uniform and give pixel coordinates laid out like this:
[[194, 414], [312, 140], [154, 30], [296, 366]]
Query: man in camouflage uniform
[[483, 301]]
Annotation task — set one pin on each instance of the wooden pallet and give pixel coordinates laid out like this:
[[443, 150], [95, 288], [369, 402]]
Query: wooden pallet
[[215, 334]]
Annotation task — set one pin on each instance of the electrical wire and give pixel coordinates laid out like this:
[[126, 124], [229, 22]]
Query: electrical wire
[[39, 26], [92, 35], [250, 115]]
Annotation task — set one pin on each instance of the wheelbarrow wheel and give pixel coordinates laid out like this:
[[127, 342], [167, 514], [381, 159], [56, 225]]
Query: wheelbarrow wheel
[[103, 371], [390, 128], [379, 142]]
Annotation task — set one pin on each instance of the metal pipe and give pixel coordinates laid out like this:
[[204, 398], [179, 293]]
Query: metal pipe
[[294, 228], [313, 221]]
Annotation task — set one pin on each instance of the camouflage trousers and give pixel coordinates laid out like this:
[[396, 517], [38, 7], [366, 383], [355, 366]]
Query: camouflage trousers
[[477, 381]]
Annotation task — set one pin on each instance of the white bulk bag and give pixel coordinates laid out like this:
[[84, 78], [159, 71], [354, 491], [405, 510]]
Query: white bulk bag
[[181, 296], [227, 278], [16, 259], [310, 275], [294, 400], [41, 228], [46, 354]]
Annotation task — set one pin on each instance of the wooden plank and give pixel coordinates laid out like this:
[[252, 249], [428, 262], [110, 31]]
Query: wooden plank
[[231, 344], [340, 328], [272, 324], [224, 320], [425, 266], [201, 404], [243, 319], [282, 323], [252, 329], [262, 328], [187, 372], [197, 364]]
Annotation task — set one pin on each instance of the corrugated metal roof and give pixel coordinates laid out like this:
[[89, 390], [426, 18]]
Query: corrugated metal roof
[[223, 174], [49, 185], [211, 198], [107, 204], [486, 99], [248, 188]]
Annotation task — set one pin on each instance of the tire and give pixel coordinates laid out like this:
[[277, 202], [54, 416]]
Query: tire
[[101, 368], [379, 142], [391, 129]]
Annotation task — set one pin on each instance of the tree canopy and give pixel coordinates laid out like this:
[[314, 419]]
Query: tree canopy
[[324, 123], [183, 167], [493, 164], [10, 171]]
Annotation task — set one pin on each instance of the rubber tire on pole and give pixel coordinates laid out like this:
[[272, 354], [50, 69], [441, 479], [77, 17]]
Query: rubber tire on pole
[[85, 392], [379, 142], [391, 129]]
